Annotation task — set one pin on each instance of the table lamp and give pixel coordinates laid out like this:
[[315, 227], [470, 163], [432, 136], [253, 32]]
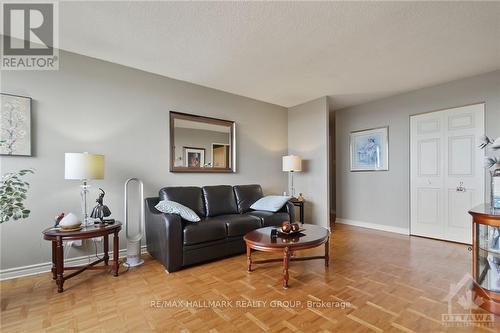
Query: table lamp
[[83, 167], [292, 163]]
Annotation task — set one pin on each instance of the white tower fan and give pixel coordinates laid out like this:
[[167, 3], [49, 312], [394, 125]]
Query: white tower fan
[[134, 241]]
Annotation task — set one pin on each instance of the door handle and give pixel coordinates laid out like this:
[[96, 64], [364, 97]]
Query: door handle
[[461, 187]]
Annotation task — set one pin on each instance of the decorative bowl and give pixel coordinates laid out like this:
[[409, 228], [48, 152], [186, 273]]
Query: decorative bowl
[[282, 233]]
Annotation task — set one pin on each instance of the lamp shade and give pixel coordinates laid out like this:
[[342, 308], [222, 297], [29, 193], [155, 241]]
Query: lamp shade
[[292, 163], [83, 166]]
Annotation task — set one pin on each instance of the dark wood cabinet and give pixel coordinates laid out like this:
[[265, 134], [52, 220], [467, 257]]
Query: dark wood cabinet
[[486, 256]]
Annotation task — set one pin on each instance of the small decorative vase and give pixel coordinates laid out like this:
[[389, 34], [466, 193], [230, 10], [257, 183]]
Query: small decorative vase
[[495, 189]]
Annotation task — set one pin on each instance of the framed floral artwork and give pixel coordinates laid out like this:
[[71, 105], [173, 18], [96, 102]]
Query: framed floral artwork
[[15, 125]]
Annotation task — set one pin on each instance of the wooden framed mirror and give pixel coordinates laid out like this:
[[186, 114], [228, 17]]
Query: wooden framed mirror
[[201, 144]]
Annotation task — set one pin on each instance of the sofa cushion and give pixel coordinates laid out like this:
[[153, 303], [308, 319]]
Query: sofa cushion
[[270, 203], [172, 207], [219, 200], [269, 218], [236, 224], [204, 231], [246, 195], [189, 196]]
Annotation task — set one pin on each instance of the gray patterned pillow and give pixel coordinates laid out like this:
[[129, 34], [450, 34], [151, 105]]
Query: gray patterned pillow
[[172, 207], [270, 203]]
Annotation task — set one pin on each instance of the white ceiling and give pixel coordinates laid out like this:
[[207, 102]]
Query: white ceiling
[[287, 53]]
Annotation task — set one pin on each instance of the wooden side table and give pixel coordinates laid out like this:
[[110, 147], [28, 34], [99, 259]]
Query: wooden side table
[[56, 236], [299, 204]]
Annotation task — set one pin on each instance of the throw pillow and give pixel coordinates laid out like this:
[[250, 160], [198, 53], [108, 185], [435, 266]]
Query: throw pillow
[[172, 207], [270, 203]]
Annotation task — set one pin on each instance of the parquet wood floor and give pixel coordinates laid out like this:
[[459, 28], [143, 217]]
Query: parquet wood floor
[[394, 283]]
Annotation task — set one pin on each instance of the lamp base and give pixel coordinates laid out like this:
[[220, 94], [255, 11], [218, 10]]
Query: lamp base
[[292, 188], [86, 221]]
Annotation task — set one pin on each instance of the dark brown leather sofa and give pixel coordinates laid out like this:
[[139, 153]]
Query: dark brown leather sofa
[[225, 218]]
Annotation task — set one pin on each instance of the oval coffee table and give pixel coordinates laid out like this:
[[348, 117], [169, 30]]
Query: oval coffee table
[[261, 240]]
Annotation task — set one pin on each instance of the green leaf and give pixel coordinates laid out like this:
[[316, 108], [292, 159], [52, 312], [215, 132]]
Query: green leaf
[[13, 192]]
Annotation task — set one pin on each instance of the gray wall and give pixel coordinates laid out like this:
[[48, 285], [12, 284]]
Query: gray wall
[[383, 197], [308, 138], [96, 106], [331, 165], [188, 137]]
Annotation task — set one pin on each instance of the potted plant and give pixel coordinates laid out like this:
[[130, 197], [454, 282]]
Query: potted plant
[[13, 192]]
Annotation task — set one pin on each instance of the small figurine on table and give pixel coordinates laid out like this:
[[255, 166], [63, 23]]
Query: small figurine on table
[[58, 219], [100, 211]]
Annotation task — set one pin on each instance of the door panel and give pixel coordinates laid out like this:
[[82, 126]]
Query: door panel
[[428, 126], [446, 173], [461, 121], [428, 205], [461, 155], [428, 157], [457, 200]]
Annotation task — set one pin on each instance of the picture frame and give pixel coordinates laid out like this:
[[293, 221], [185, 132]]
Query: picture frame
[[15, 125], [369, 149], [194, 157]]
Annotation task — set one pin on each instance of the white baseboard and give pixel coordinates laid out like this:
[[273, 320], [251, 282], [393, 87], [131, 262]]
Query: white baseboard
[[368, 225], [16, 272]]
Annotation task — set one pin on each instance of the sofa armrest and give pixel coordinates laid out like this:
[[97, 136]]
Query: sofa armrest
[[163, 236], [290, 209]]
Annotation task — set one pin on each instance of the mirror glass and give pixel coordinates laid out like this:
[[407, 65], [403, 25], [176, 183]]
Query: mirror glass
[[201, 144]]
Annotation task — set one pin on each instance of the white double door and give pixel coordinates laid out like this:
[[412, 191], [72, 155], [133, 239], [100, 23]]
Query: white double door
[[446, 172]]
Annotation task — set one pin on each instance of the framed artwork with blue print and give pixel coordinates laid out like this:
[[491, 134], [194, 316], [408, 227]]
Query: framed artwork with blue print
[[370, 149]]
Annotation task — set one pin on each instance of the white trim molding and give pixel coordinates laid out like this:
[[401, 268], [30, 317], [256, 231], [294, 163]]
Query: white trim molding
[[17, 272], [369, 225]]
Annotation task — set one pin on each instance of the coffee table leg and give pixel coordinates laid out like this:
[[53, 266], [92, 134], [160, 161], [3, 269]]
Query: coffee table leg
[[116, 249], [327, 252], [249, 258], [286, 260], [54, 260], [59, 265]]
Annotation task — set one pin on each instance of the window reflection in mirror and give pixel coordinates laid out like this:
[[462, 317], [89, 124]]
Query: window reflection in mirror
[[201, 144]]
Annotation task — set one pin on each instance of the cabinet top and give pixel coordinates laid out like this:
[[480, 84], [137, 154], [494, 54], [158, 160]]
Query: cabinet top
[[485, 210]]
